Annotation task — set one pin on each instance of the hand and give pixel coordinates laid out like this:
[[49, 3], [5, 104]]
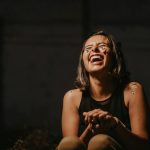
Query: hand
[[100, 120]]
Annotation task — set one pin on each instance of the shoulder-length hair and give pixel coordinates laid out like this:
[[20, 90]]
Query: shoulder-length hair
[[117, 67]]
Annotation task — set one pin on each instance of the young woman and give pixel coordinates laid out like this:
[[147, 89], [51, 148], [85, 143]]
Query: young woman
[[106, 110]]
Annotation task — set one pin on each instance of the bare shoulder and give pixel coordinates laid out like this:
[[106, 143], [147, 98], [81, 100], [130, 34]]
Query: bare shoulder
[[134, 85], [73, 93], [132, 91], [73, 96]]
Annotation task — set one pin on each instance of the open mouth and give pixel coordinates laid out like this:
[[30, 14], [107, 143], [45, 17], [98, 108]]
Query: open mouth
[[96, 58]]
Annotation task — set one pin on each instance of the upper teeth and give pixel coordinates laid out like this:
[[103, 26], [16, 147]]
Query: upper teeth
[[95, 57]]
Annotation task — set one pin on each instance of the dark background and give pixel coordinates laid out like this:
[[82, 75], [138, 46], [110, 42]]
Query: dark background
[[40, 42]]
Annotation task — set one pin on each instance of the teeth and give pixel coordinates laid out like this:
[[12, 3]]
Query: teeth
[[96, 58]]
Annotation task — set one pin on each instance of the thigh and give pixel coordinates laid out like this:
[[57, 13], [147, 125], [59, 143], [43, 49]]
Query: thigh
[[71, 143], [103, 142]]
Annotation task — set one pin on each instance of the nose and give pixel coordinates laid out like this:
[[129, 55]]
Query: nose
[[95, 48]]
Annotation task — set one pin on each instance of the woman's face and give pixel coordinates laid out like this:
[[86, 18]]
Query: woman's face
[[96, 54]]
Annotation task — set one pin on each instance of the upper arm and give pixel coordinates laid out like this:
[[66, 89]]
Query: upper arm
[[138, 110], [70, 116]]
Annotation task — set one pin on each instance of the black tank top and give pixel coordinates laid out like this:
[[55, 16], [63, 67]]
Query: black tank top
[[114, 104]]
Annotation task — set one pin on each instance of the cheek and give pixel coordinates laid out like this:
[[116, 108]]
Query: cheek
[[84, 58]]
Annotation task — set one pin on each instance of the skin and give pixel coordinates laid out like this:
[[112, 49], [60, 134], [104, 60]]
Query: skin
[[102, 87], [92, 45]]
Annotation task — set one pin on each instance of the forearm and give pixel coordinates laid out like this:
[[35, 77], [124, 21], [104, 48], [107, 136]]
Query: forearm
[[129, 139], [86, 135]]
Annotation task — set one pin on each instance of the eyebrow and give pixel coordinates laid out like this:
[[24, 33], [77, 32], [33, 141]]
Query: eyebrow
[[97, 44]]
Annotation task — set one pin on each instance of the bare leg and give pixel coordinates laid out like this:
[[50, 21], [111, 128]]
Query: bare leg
[[71, 143], [103, 142]]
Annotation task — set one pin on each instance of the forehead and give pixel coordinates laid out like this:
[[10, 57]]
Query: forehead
[[97, 39]]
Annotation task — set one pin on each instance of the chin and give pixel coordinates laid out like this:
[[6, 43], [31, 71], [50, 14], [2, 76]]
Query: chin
[[97, 70]]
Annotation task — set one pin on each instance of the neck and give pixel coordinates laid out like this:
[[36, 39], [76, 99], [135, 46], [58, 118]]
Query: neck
[[101, 87]]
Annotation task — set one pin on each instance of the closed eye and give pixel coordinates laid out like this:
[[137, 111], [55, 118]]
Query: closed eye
[[87, 49]]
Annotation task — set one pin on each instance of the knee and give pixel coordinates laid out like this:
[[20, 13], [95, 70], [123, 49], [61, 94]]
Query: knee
[[71, 143], [101, 141]]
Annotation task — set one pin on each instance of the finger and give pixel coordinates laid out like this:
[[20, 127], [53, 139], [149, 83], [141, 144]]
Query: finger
[[108, 117], [95, 113], [97, 126], [86, 119], [95, 121], [93, 131], [89, 118], [112, 121], [102, 115], [85, 113], [95, 117], [90, 115]]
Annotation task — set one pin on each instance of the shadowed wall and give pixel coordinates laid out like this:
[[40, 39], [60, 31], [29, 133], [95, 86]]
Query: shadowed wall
[[40, 46]]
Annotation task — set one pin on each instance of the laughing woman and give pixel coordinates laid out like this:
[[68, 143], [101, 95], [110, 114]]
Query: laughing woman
[[106, 110]]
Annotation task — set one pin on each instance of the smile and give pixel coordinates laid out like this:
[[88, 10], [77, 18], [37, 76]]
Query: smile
[[96, 58]]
